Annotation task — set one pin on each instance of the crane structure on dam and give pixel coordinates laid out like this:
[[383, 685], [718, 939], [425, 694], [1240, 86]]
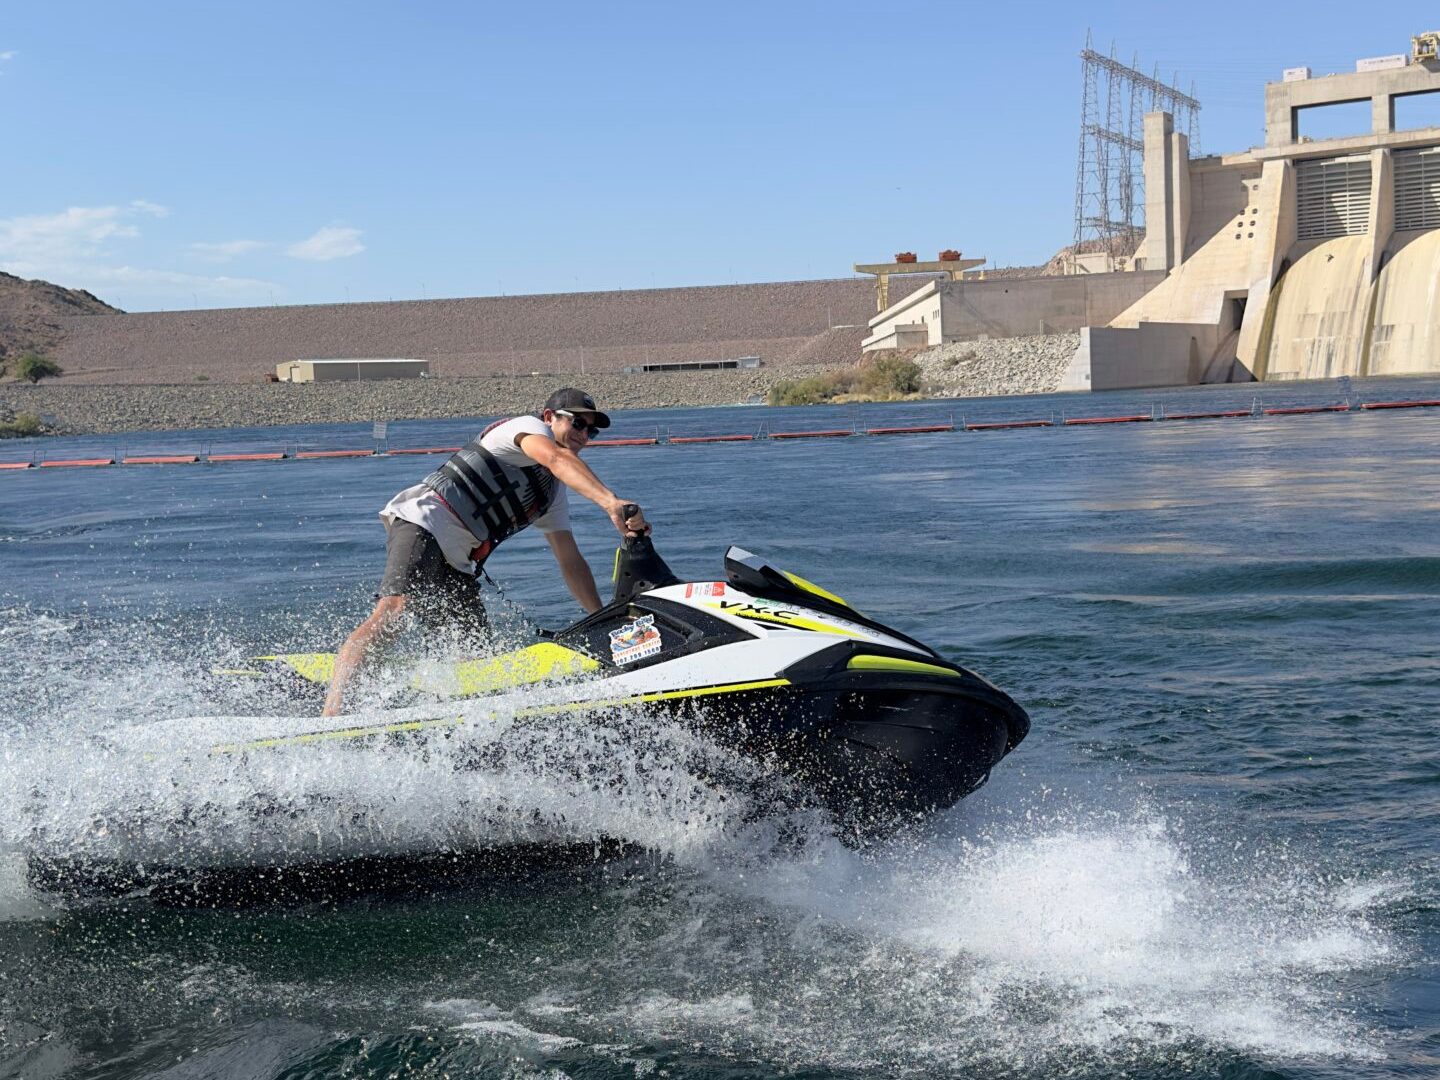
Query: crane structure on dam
[[1110, 170]]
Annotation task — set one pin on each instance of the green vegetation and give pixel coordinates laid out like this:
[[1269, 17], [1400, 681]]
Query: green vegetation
[[25, 423], [809, 391], [888, 378], [32, 367]]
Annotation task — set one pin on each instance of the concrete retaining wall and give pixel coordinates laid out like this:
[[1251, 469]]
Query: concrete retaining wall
[[1045, 305], [1151, 354]]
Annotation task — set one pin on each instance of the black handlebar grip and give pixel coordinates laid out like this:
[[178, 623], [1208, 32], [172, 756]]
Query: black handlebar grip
[[628, 510]]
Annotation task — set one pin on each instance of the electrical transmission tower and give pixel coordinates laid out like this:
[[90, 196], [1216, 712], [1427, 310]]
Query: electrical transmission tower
[[1110, 173]]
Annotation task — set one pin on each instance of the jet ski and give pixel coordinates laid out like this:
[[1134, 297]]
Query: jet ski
[[868, 723], [877, 723]]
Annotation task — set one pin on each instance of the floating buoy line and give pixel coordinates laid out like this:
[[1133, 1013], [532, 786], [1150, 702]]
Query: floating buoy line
[[664, 437]]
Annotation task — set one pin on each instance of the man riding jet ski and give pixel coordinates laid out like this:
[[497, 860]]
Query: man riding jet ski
[[866, 722]]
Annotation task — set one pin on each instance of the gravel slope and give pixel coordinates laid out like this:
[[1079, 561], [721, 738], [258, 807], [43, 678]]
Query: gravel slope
[[1023, 365]]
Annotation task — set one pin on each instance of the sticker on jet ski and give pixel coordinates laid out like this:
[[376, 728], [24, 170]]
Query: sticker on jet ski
[[705, 588], [635, 640]]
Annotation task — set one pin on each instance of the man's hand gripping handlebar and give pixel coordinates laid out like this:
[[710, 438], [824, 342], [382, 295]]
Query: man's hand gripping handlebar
[[629, 519]]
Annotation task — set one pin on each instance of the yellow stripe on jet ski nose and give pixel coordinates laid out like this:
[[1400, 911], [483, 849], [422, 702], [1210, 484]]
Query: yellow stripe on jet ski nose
[[811, 587], [870, 662]]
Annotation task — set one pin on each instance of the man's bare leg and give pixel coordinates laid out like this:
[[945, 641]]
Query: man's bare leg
[[375, 630]]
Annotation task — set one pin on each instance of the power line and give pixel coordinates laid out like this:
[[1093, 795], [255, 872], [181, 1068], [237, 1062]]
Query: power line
[[1110, 165]]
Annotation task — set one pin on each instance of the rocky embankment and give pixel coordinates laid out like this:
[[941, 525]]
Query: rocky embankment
[[1000, 366], [1027, 365], [91, 409]]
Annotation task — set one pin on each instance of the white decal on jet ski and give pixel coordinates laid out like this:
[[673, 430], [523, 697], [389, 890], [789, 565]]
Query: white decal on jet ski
[[635, 640], [705, 588]]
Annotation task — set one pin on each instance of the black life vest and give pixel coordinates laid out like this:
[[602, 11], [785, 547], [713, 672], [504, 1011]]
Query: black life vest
[[492, 499]]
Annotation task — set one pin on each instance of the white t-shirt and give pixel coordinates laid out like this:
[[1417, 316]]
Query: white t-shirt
[[421, 506]]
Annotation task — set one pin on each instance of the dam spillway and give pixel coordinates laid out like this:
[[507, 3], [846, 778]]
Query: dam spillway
[[1405, 328], [1319, 313]]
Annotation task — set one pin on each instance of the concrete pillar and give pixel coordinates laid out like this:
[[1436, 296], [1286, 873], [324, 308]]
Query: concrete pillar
[[1161, 250], [1382, 228], [1382, 208], [1279, 115], [1179, 162], [1382, 114], [1275, 235]]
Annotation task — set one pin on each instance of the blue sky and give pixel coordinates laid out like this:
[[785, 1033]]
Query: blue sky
[[174, 155]]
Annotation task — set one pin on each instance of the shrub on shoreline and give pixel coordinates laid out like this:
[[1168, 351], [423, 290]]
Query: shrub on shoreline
[[889, 378], [24, 425], [32, 367]]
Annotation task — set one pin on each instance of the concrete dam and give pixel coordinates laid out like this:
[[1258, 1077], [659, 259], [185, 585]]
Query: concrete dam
[[1306, 258]]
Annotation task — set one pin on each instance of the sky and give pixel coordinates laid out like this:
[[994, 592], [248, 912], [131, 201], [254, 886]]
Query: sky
[[169, 155]]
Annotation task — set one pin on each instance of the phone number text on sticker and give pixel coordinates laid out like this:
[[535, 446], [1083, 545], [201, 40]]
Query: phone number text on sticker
[[635, 640]]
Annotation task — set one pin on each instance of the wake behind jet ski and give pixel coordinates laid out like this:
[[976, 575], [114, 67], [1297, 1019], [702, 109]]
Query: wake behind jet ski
[[870, 724]]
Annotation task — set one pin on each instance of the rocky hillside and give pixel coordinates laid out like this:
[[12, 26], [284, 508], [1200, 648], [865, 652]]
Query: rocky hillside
[[30, 314]]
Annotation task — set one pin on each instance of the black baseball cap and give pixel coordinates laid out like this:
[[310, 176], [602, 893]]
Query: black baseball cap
[[573, 400]]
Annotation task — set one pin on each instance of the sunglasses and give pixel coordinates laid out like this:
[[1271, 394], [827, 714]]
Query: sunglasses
[[581, 425]]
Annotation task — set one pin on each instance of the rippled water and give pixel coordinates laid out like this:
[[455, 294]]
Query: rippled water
[[1216, 854]]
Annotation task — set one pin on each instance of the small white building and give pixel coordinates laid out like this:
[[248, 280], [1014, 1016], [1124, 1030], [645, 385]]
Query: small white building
[[342, 370]]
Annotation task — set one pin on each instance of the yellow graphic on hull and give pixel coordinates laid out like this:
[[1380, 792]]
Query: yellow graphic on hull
[[312, 667], [537, 663], [894, 663], [523, 667]]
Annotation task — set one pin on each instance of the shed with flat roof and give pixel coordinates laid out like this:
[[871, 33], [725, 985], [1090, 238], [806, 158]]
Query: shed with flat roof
[[351, 370]]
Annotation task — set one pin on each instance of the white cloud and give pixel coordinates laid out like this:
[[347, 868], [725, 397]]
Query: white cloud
[[135, 287], [79, 231], [331, 242], [172, 288], [8, 54], [225, 250], [77, 248]]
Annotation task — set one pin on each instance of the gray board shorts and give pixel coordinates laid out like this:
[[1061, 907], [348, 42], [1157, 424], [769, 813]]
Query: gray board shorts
[[436, 593]]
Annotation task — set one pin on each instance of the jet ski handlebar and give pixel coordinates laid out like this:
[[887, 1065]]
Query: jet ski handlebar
[[638, 566]]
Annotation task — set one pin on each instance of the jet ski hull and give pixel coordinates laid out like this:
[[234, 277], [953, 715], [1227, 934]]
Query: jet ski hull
[[874, 757], [843, 712], [320, 882]]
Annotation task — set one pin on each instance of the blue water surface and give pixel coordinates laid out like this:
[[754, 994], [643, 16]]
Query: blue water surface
[[1215, 856]]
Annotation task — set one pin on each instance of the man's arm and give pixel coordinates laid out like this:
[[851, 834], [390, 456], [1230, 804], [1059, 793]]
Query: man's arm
[[576, 475], [574, 569]]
